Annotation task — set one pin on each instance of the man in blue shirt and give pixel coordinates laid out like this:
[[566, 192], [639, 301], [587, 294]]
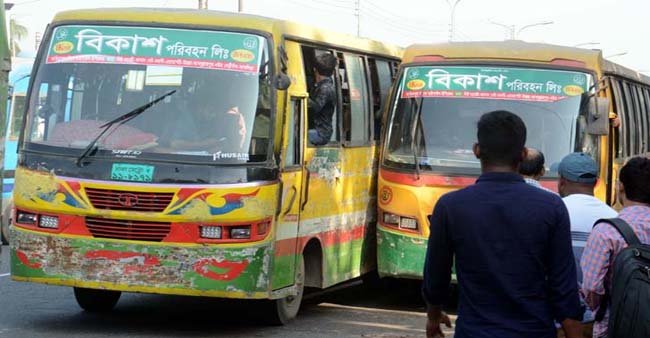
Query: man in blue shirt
[[512, 248]]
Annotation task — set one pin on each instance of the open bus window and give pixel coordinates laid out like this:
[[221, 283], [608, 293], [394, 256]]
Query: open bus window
[[309, 58]]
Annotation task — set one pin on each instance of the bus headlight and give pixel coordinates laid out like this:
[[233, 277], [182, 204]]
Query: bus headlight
[[26, 218], [240, 232], [408, 223], [211, 232], [48, 222], [391, 219]]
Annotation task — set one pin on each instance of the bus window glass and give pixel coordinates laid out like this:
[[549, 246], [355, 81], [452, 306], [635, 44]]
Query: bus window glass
[[383, 71], [437, 108], [622, 116], [358, 120], [293, 151], [630, 129], [218, 108], [643, 117]]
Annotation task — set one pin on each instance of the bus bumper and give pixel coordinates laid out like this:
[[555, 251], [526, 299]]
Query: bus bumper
[[227, 271], [400, 255]]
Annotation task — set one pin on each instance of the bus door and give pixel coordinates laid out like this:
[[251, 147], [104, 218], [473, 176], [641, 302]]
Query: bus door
[[288, 244]]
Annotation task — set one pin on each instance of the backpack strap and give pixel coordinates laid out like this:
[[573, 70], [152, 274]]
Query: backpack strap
[[623, 228], [631, 239]]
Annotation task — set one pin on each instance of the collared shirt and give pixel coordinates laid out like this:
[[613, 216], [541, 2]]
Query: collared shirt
[[512, 248], [322, 101], [535, 183], [603, 245]]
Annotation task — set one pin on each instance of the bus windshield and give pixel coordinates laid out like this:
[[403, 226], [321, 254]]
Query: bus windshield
[[219, 109], [439, 107]]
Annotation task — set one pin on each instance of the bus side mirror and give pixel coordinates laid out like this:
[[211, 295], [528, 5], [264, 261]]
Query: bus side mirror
[[281, 81], [597, 115]]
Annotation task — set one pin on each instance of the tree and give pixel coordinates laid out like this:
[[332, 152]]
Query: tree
[[18, 32]]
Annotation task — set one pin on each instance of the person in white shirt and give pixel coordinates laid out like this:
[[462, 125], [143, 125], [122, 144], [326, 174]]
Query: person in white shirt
[[578, 177]]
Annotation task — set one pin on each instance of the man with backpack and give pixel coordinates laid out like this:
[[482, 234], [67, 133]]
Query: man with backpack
[[616, 260]]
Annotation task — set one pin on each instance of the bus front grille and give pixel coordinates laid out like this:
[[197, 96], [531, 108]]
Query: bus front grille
[[127, 229], [128, 200]]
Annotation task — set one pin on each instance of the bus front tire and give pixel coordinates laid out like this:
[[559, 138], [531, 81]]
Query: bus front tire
[[93, 300], [4, 233], [282, 311], [4, 227]]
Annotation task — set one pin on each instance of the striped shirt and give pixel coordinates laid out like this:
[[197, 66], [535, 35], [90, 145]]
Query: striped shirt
[[603, 245], [535, 183]]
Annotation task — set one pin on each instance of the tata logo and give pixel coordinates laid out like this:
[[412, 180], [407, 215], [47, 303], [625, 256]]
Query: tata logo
[[127, 200]]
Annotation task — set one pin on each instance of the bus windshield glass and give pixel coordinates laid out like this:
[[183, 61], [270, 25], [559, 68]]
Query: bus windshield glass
[[218, 109], [434, 119]]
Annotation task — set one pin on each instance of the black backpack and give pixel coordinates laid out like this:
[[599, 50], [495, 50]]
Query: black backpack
[[629, 297]]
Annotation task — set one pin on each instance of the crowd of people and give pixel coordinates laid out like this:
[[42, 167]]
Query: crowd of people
[[533, 263]]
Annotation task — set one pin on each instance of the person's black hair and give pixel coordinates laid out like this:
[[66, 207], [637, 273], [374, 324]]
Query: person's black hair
[[533, 164], [325, 64], [501, 138], [635, 177]]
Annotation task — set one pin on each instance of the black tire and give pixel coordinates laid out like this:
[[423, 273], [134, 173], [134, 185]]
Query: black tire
[[4, 227], [281, 311], [93, 300]]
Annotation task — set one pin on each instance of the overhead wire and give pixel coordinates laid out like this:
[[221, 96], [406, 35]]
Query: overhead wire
[[398, 25]]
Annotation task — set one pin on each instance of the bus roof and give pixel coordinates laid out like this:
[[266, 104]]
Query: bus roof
[[209, 18], [504, 51], [611, 68]]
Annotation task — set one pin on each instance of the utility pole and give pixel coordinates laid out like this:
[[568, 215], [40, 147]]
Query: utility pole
[[203, 4], [452, 5], [240, 6], [357, 13]]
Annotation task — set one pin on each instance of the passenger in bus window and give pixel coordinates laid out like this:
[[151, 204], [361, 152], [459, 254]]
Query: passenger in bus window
[[322, 100], [532, 168]]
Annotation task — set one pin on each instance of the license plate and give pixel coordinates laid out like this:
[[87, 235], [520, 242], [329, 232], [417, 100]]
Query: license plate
[[132, 172]]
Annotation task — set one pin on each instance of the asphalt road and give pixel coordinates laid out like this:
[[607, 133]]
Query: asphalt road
[[34, 310]]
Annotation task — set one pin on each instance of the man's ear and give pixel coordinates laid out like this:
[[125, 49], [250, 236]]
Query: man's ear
[[477, 150]]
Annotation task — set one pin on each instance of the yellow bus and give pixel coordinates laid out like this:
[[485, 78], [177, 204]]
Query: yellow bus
[[164, 151], [566, 96]]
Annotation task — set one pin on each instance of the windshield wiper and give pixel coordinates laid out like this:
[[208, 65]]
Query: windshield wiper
[[120, 120], [415, 143]]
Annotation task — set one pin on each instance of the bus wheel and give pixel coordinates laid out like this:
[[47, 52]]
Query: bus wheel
[[282, 311], [93, 300], [4, 233], [4, 227]]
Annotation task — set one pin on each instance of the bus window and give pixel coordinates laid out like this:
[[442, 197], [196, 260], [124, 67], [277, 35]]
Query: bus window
[[620, 110], [309, 57], [631, 128], [380, 75], [641, 119], [356, 118], [646, 95], [293, 156], [18, 110]]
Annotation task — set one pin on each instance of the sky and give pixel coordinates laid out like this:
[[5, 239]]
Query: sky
[[618, 27]]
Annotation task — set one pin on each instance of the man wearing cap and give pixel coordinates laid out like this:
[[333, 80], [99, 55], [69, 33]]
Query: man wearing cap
[[578, 177]]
